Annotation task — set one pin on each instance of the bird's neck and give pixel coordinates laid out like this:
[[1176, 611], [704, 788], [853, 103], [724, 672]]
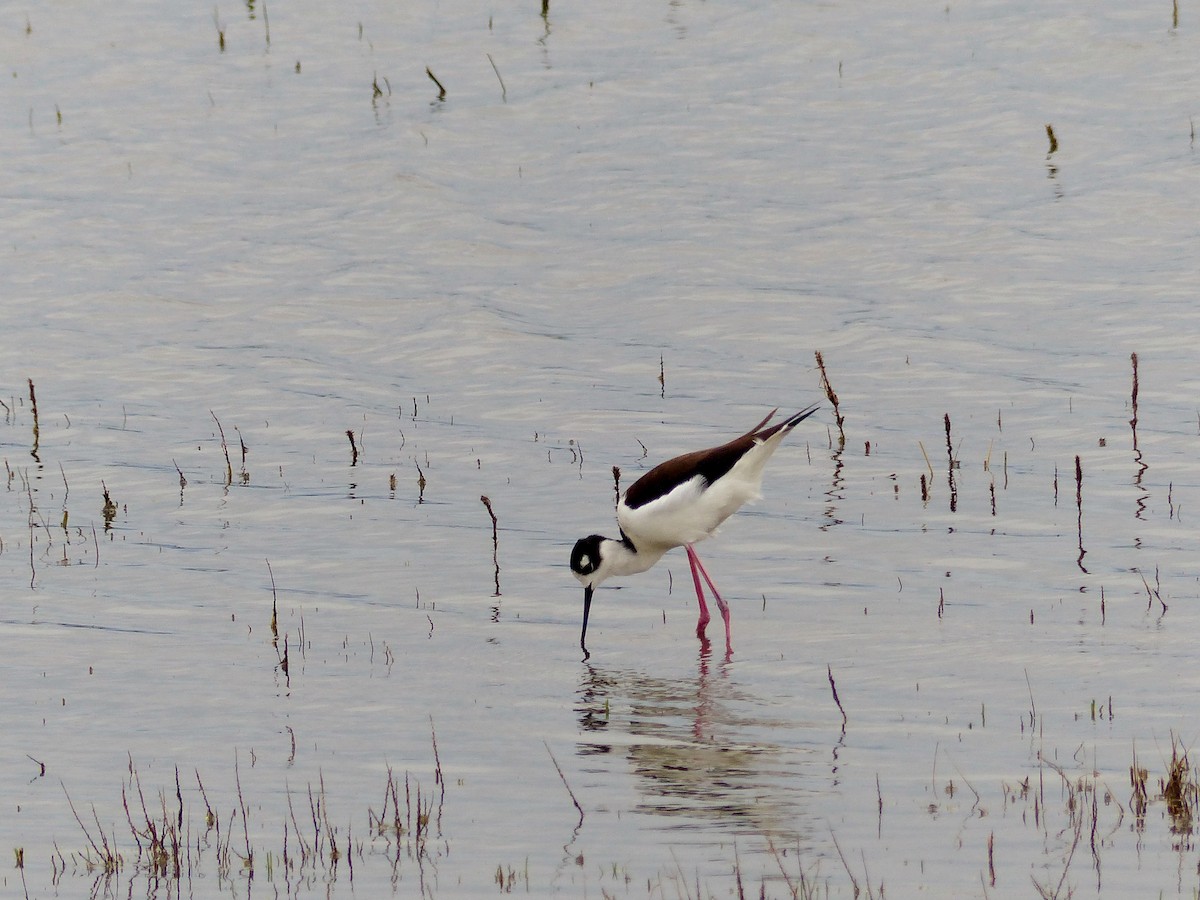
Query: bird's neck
[[625, 558]]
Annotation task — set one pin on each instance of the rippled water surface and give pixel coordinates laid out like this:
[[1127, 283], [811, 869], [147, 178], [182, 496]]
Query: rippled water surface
[[287, 314]]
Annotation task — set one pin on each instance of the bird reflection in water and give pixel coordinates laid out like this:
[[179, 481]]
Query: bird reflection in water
[[702, 749]]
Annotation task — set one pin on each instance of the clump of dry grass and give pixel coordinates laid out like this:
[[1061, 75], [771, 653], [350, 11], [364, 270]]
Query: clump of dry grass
[[1180, 790], [168, 841]]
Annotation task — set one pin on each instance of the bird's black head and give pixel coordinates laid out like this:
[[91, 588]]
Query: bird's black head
[[585, 557]]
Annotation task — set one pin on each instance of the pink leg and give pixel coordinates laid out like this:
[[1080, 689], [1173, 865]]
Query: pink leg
[[694, 559], [702, 624]]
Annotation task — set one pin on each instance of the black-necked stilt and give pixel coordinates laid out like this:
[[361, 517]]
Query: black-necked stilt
[[677, 503]]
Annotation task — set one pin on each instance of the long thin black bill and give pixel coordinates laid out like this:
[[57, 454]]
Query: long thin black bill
[[587, 608]]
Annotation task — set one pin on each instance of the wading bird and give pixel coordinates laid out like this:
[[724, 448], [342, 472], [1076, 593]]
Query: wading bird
[[677, 503]]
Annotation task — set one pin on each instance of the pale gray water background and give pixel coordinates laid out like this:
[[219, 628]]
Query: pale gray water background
[[483, 286]]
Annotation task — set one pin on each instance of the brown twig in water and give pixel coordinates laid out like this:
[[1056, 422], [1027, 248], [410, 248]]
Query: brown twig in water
[[950, 470], [248, 859], [793, 889], [558, 769], [420, 483], [833, 398], [36, 430], [66, 493], [241, 440], [353, 448], [879, 798], [1154, 593], [845, 865], [433, 78], [616, 485], [274, 604], [1032, 705], [109, 860], [833, 687], [1134, 398], [1133, 424], [225, 449], [991, 859], [503, 89], [928, 464], [1079, 507], [438, 777], [495, 542]]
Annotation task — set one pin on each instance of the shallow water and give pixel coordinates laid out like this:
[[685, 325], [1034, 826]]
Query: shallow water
[[485, 290]]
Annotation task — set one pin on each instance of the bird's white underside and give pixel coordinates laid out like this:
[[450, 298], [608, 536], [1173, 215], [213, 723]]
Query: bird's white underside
[[689, 513], [694, 510]]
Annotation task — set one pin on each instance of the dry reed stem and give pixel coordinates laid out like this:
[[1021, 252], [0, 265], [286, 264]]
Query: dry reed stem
[[495, 542], [1079, 508], [832, 397], [36, 429], [225, 450], [433, 78], [836, 699], [562, 776], [503, 89]]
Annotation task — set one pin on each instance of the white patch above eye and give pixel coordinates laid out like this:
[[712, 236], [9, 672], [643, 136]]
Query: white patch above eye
[[585, 562]]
